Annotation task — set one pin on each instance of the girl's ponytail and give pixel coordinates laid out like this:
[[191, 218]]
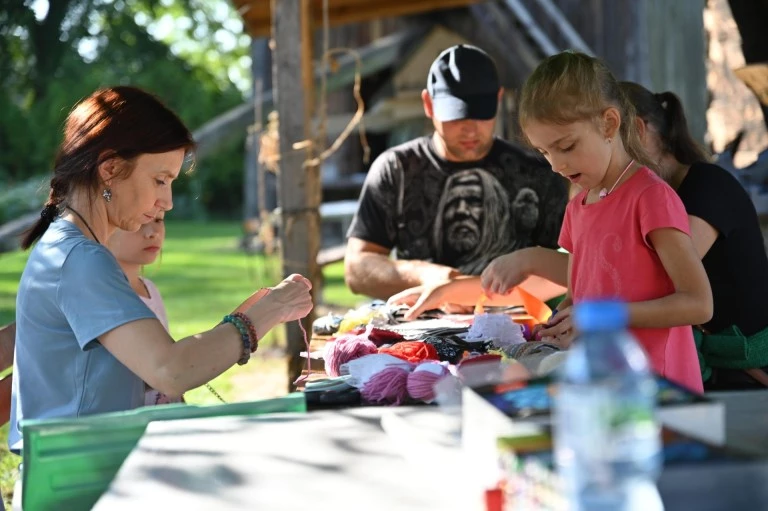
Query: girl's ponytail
[[675, 134]]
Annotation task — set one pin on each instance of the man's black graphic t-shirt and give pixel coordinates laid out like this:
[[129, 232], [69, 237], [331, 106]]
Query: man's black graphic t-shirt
[[459, 214]]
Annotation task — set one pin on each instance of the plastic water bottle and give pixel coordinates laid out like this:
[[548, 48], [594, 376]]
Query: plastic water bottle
[[607, 439]]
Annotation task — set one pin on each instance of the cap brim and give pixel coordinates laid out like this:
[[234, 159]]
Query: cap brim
[[451, 108]]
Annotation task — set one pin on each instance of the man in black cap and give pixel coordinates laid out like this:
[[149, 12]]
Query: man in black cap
[[450, 203]]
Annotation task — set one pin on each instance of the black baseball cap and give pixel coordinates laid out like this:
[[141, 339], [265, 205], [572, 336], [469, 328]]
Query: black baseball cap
[[463, 84]]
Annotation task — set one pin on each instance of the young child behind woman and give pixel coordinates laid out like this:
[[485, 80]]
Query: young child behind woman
[[133, 251], [627, 231]]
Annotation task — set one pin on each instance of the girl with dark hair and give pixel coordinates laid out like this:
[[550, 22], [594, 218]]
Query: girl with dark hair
[[733, 345], [85, 341]]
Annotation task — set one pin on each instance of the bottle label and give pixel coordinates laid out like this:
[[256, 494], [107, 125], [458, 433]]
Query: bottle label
[[606, 433]]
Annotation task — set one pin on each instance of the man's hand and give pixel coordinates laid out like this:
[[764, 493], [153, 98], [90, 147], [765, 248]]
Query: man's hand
[[420, 299]]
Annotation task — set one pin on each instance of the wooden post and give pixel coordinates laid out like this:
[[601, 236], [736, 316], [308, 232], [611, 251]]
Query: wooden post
[[299, 187], [261, 72]]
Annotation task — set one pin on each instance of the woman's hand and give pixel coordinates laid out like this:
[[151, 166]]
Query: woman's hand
[[506, 272], [289, 300], [292, 297]]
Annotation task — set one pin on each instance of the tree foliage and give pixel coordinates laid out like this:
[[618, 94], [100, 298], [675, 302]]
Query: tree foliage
[[50, 60]]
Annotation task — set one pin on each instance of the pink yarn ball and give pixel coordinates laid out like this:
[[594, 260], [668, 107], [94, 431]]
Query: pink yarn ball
[[387, 386], [345, 348], [421, 382]]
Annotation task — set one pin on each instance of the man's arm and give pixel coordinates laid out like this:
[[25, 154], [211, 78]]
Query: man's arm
[[369, 270]]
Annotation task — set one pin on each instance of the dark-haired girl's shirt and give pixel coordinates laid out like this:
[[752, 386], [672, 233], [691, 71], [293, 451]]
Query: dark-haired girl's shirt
[[736, 264]]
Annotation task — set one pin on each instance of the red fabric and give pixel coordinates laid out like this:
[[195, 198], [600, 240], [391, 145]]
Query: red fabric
[[412, 351], [611, 257], [379, 336]]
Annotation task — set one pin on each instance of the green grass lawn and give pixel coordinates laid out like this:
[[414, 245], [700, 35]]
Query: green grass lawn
[[202, 276]]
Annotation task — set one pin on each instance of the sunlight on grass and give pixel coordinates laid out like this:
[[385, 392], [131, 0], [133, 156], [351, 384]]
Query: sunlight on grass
[[202, 276]]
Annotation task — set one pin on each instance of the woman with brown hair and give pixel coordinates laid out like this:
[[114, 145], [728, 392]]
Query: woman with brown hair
[[85, 341]]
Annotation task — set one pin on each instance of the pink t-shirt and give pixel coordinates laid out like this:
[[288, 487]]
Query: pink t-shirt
[[611, 257], [155, 302]]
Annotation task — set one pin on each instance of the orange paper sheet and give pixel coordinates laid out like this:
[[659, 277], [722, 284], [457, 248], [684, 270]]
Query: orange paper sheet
[[539, 310], [536, 310]]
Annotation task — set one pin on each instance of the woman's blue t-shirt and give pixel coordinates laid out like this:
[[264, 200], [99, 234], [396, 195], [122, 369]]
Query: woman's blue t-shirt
[[71, 292]]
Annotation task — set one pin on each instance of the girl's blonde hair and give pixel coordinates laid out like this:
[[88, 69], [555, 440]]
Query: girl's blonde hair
[[572, 86]]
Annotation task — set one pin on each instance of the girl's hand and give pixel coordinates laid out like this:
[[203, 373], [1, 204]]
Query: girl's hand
[[505, 272], [564, 341], [559, 327]]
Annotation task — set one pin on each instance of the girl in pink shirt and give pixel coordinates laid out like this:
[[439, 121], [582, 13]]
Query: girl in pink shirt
[[134, 250], [626, 231]]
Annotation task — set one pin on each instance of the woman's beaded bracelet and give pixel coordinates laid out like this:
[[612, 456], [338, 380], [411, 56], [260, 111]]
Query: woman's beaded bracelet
[[244, 334], [252, 333]]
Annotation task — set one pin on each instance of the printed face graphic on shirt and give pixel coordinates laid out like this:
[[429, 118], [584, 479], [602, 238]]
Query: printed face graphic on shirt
[[463, 213], [472, 220], [525, 211]]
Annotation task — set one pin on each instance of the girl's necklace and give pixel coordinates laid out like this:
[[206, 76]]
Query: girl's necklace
[[604, 193]]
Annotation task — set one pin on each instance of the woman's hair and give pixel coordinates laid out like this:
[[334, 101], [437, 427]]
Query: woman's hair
[[123, 122], [572, 86], [665, 113]]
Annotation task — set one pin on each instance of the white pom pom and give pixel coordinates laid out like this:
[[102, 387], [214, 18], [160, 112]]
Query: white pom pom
[[498, 328]]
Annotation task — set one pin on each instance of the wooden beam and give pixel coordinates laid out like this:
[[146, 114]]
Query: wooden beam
[[298, 190], [257, 15], [390, 9]]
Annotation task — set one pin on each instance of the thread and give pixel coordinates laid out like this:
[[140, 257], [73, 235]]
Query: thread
[[412, 351], [421, 382], [345, 348], [387, 386], [301, 378]]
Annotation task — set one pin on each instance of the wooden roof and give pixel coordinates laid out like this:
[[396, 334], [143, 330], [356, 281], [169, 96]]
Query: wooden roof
[[257, 14]]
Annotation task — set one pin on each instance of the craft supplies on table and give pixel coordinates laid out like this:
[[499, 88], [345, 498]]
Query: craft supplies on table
[[378, 329]]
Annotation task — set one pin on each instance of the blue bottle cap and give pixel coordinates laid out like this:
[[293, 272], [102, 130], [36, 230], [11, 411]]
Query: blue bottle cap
[[595, 316]]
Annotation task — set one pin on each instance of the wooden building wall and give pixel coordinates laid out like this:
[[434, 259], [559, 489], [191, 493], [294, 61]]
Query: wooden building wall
[[658, 43]]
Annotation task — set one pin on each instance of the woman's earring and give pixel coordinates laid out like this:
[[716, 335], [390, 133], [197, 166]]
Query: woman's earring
[[607, 140], [107, 194]]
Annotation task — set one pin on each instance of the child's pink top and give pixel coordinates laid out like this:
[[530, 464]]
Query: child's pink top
[[611, 257], [155, 302]]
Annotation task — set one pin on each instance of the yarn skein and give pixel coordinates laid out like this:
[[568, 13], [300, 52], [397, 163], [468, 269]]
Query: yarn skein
[[387, 386], [412, 351], [345, 348], [421, 382]]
